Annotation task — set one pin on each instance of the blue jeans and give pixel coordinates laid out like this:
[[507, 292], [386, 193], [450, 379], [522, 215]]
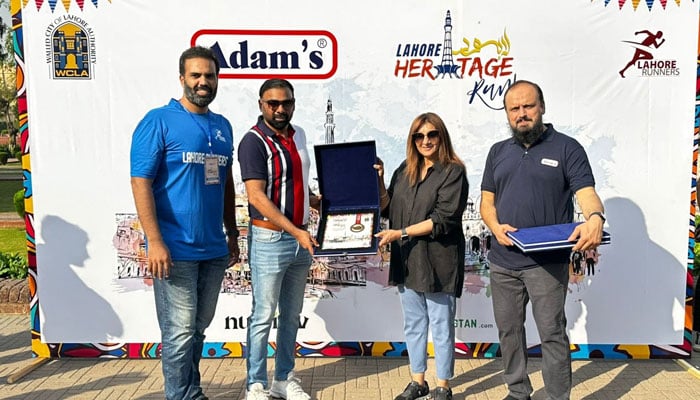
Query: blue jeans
[[437, 310], [279, 268], [546, 286], [185, 304]]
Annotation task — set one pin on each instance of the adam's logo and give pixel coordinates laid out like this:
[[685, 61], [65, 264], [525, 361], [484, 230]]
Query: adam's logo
[[644, 60], [70, 48], [264, 54]]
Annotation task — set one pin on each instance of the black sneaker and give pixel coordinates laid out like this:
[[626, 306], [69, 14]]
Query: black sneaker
[[442, 393], [414, 391]]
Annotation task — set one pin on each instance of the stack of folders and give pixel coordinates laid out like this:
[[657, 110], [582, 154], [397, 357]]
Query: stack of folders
[[548, 237]]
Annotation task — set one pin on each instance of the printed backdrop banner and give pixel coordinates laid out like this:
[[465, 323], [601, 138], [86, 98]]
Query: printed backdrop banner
[[617, 76]]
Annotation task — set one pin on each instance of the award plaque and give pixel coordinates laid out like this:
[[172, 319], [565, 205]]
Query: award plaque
[[348, 231], [349, 189]]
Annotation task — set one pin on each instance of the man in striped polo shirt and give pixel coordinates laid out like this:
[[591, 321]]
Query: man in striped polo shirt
[[275, 168]]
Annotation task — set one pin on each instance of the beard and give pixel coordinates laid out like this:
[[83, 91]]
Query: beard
[[278, 123], [197, 99], [527, 137]]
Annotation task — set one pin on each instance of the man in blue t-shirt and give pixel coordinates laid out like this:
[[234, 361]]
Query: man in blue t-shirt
[[181, 156], [529, 180]]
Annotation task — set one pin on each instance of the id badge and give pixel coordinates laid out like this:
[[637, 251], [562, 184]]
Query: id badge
[[211, 170]]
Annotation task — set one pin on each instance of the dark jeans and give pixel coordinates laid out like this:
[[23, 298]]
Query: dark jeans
[[511, 290]]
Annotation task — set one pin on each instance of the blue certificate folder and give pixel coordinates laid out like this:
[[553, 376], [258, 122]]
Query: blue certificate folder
[[547, 237]]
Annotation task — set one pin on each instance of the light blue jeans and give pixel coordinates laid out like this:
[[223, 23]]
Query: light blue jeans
[[437, 311], [279, 268], [185, 305]]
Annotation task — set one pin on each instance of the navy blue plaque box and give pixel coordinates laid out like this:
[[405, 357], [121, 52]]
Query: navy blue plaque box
[[349, 188]]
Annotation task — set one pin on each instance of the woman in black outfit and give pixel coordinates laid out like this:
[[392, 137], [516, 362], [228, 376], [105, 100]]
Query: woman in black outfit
[[425, 202]]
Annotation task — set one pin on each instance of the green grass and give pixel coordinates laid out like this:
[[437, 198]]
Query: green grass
[[13, 240], [12, 171], [7, 190]]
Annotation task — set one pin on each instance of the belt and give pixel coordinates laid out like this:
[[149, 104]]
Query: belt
[[261, 223]]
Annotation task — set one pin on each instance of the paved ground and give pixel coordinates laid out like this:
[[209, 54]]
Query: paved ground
[[11, 220], [11, 171], [350, 378]]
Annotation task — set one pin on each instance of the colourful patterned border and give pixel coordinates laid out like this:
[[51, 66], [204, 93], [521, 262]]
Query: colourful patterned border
[[81, 3], [693, 210], [327, 349]]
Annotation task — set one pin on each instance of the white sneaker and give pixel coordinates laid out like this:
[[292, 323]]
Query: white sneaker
[[289, 389], [256, 391]]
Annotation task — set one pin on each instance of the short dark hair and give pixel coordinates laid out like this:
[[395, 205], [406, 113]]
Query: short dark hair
[[519, 82], [198, 52], [275, 83]]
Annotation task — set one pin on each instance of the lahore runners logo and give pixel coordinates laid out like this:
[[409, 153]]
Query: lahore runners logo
[[70, 48], [643, 58]]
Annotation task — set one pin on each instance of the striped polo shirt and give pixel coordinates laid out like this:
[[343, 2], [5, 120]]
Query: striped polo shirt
[[283, 164]]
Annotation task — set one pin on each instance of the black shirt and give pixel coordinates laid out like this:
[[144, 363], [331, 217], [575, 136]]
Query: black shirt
[[434, 262]]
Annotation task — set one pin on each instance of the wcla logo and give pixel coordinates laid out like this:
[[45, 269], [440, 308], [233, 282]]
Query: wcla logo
[[263, 54], [643, 59], [70, 48], [486, 62]]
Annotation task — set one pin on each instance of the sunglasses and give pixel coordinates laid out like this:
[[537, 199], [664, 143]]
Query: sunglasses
[[420, 137], [274, 104]]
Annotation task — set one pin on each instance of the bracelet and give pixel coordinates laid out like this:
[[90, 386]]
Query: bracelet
[[598, 213]]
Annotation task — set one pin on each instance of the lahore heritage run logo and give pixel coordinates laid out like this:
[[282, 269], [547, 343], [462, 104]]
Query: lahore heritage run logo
[[643, 60], [486, 64], [70, 48]]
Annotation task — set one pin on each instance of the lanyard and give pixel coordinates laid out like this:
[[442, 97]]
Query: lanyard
[[207, 132]]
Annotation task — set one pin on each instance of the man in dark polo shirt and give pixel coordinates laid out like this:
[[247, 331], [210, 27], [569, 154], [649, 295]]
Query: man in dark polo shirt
[[529, 180], [275, 168]]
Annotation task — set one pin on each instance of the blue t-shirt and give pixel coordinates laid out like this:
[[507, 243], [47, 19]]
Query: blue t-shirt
[[169, 146], [534, 187]]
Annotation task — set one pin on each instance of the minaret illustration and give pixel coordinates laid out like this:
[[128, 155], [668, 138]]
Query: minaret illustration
[[447, 67], [329, 125]]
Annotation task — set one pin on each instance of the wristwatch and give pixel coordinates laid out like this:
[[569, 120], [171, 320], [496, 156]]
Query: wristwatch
[[404, 235], [598, 213]]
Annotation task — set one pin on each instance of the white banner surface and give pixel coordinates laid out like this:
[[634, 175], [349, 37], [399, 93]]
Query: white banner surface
[[622, 82]]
